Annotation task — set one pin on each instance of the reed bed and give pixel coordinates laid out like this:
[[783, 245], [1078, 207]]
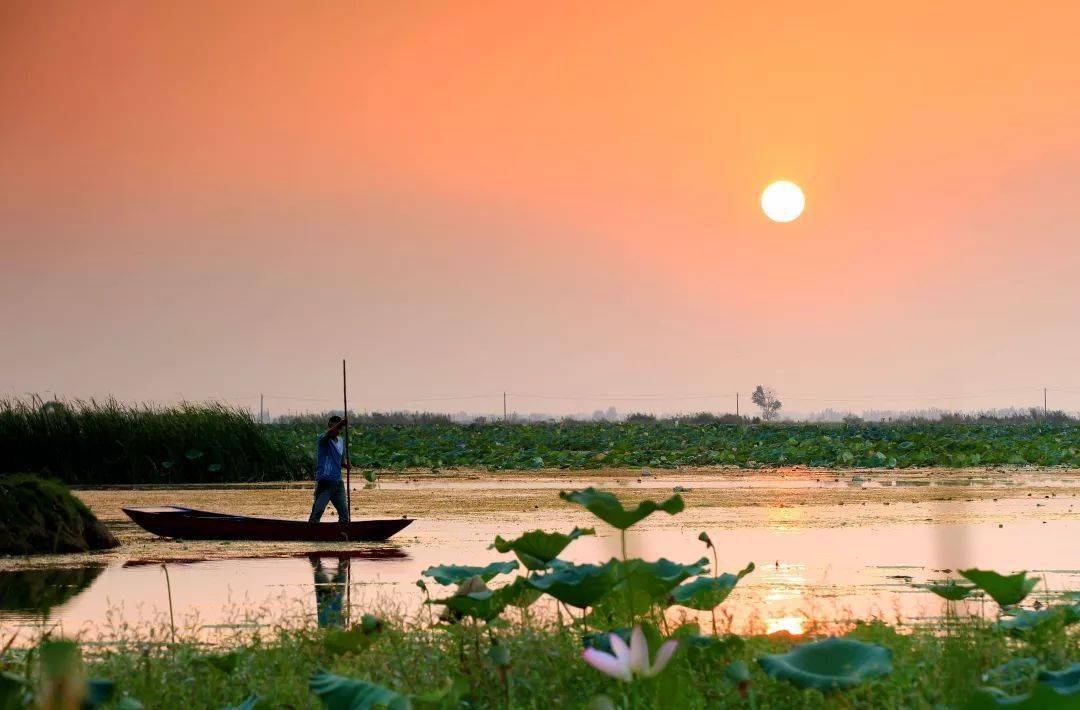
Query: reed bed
[[106, 442]]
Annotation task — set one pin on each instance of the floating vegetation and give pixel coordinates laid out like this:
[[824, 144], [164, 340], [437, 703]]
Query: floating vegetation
[[433, 443]]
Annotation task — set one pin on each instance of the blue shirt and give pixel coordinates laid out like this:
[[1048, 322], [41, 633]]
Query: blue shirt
[[328, 462]]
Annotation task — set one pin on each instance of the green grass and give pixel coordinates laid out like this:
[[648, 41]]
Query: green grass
[[41, 516], [930, 669]]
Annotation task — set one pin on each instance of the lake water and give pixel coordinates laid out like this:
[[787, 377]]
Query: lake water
[[829, 563]]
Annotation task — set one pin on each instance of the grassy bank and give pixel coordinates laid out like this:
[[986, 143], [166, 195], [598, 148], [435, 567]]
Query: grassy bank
[[108, 442], [39, 516]]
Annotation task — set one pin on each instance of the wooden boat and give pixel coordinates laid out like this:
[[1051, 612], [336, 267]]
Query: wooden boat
[[190, 524]]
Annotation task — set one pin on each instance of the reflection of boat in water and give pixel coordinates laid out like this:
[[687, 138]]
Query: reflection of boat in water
[[384, 551], [38, 590], [177, 521]]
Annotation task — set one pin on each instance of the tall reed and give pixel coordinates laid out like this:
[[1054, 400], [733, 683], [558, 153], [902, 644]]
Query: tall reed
[[103, 442]]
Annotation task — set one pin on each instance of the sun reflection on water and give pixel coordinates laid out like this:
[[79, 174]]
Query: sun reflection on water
[[788, 624]]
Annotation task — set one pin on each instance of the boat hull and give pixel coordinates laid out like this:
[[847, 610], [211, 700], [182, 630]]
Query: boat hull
[[190, 524]]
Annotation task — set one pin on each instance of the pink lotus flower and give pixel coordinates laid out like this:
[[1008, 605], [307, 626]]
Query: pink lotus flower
[[630, 661]]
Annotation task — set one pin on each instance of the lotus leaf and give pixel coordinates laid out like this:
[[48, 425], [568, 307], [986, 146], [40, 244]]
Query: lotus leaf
[[1021, 620], [832, 664], [705, 593], [1006, 590], [950, 590], [607, 507], [1012, 673], [520, 594], [485, 604], [1065, 682], [340, 693], [1043, 697], [653, 581], [456, 574], [98, 692], [737, 672], [537, 549], [578, 585]]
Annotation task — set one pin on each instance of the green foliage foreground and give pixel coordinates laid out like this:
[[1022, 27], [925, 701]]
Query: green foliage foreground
[[539, 665]]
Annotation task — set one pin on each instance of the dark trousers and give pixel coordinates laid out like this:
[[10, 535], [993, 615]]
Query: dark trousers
[[330, 492]]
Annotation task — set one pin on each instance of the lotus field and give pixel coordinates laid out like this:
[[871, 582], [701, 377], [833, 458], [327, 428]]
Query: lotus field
[[535, 631], [113, 443], [676, 442]]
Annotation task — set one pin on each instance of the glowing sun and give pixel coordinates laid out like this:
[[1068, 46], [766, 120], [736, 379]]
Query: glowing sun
[[782, 201]]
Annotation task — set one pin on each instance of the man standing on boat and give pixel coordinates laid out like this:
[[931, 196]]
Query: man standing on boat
[[329, 488]]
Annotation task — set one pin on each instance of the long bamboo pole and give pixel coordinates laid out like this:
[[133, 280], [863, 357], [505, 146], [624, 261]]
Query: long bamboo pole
[[348, 468]]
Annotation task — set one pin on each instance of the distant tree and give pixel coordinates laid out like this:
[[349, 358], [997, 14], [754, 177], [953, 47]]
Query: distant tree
[[765, 398]]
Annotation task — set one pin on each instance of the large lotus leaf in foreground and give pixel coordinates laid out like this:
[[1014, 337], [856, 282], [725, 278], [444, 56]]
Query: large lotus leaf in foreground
[[577, 585], [1004, 589], [1043, 697], [653, 581], [1022, 620], [486, 604], [705, 593], [1066, 682], [832, 664], [340, 693], [537, 549], [456, 574], [607, 507]]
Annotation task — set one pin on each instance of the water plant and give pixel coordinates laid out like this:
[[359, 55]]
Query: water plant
[[537, 549], [98, 442], [831, 664], [1006, 590], [629, 661]]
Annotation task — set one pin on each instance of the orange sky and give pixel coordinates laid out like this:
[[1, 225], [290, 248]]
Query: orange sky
[[218, 199]]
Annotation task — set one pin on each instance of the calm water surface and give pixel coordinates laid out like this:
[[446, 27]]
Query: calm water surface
[[829, 563]]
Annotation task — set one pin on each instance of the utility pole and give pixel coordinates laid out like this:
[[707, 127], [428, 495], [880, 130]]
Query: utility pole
[[736, 404], [504, 407], [262, 420], [1044, 401]]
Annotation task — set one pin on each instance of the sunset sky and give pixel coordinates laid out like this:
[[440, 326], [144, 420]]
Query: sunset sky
[[215, 199]]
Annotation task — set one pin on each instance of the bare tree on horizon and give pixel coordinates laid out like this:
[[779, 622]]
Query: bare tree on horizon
[[766, 398]]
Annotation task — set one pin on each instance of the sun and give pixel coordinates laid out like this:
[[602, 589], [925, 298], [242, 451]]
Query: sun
[[782, 201]]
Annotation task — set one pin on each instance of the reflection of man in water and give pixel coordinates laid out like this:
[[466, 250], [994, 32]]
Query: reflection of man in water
[[330, 592]]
